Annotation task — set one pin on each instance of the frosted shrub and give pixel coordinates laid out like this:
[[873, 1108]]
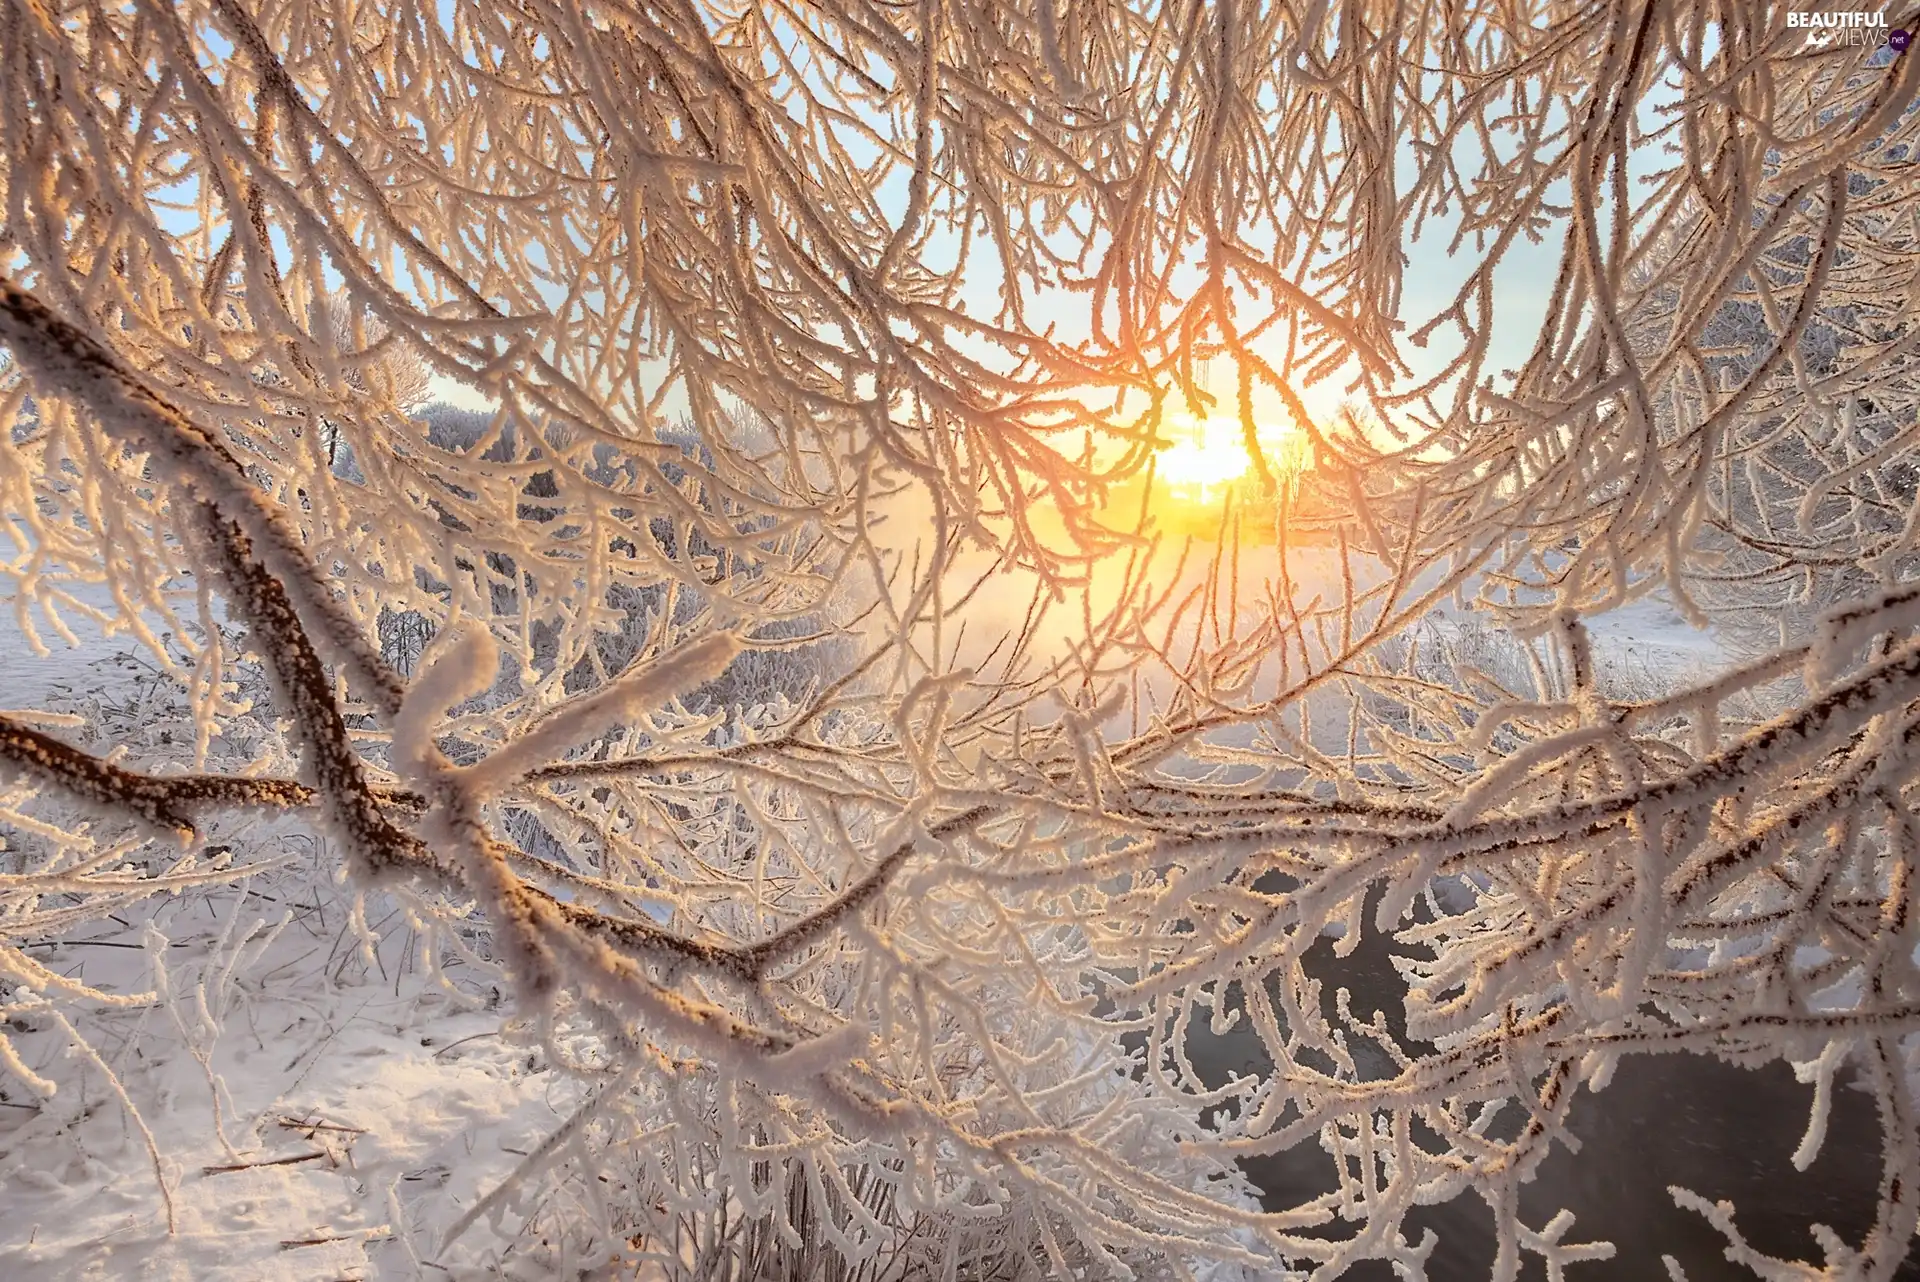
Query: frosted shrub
[[861, 807]]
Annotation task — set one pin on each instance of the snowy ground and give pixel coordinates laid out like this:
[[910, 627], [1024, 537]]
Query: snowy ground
[[360, 1108], [356, 1137], [1651, 632]]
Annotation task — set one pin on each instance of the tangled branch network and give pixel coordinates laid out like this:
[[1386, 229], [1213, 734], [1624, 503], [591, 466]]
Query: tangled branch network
[[802, 328]]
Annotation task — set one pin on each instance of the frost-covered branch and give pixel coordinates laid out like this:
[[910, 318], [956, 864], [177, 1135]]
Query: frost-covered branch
[[787, 676]]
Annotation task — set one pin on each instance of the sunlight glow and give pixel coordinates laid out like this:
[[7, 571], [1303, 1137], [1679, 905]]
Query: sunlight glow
[[1208, 454]]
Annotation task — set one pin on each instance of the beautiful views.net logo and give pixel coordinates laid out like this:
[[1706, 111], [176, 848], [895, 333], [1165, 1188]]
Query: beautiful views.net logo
[[1824, 30]]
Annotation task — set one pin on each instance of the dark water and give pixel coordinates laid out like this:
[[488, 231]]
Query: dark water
[[1698, 1122]]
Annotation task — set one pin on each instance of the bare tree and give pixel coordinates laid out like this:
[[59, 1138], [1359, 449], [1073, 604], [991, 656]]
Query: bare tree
[[896, 960]]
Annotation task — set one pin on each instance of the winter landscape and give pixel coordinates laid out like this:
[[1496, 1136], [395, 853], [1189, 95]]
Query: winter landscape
[[984, 640]]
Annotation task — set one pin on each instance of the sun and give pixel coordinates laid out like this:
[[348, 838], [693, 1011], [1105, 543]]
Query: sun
[[1206, 455]]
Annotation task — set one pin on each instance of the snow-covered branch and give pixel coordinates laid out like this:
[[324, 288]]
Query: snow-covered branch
[[784, 681]]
